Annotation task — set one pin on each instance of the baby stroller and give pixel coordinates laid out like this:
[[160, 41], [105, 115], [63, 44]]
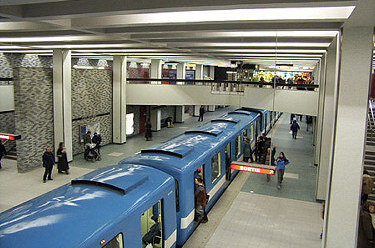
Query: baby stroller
[[92, 153]]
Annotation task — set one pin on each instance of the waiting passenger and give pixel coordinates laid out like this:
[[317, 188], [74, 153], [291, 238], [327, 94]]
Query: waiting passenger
[[87, 141], [247, 153], [62, 161], [259, 146], [281, 162], [48, 162], [201, 113], [308, 122], [3, 152], [97, 140], [153, 236], [201, 199], [170, 122], [294, 127], [365, 229], [148, 134]]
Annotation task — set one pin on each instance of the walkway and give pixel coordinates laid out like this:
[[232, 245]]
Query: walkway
[[254, 213], [16, 188]]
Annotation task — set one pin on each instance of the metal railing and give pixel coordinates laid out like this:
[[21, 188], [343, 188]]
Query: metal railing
[[223, 86]]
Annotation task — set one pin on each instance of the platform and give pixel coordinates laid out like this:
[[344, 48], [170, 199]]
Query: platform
[[254, 213]]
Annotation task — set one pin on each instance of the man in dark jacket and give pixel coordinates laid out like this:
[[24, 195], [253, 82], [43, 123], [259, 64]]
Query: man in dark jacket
[[201, 113], [200, 201], [97, 139], [86, 141], [3, 152], [48, 162], [294, 127]]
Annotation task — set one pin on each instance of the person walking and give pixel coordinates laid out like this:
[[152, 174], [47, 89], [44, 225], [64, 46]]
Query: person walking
[[247, 153], [201, 113], [3, 152], [97, 140], [294, 127], [148, 134], [280, 163], [200, 201], [62, 161], [48, 162]]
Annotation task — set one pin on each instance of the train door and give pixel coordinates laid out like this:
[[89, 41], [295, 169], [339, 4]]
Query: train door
[[238, 146], [198, 175], [228, 160], [152, 226]]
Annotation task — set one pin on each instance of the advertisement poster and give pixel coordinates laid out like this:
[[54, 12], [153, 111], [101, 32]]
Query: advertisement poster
[[190, 75], [94, 128]]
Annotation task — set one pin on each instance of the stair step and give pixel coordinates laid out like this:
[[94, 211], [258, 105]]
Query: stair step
[[369, 143], [12, 157], [370, 157], [369, 162], [371, 153]]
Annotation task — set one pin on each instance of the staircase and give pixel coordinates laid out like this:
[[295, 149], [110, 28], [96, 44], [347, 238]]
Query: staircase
[[369, 162]]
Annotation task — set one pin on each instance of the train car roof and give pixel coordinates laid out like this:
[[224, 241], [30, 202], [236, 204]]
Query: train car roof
[[74, 214], [180, 153]]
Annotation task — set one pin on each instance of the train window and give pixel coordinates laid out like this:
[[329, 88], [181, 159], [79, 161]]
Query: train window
[[252, 133], [177, 197], [116, 242], [216, 167], [238, 145], [244, 132], [152, 226]]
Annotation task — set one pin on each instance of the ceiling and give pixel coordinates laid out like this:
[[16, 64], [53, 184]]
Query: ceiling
[[212, 32]]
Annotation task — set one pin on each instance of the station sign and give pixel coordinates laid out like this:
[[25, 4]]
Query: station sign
[[6, 136], [255, 168]]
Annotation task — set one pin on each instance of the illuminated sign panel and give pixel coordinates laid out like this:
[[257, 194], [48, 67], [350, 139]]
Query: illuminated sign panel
[[254, 169], [6, 136]]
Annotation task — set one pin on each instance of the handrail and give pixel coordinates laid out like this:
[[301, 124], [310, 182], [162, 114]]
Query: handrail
[[371, 114], [220, 81]]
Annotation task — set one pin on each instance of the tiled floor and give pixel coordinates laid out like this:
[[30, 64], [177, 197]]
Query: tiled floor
[[16, 188]]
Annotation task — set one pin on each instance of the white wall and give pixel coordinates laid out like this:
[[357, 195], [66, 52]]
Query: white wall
[[301, 102], [6, 98]]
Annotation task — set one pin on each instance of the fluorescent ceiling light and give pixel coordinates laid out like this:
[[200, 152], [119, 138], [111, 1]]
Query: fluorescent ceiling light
[[13, 47], [263, 50], [209, 34], [54, 38], [25, 51], [270, 55], [252, 44], [81, 46], [258, 14]]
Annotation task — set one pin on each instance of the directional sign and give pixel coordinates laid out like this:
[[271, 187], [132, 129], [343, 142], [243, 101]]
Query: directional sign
[[7, 136], [256, 168]]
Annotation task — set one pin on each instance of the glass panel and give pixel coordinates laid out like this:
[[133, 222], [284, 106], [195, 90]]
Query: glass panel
[[216, 167], [152, 226], [238, 145], [116, 242], [252, 136]]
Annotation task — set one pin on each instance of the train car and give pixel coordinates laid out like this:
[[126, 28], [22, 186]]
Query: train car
[[206, 151], [113, 207]]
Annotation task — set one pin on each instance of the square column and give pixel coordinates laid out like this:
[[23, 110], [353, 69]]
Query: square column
[[342, 208], [328, 96], [180, 114], [198, 73], [62, 100], [155, 119], [212, 76], [156, 69], [119, 99], [181, 72]]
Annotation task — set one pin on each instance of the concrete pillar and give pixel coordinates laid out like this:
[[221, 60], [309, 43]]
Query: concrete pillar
[[156, 69], [62, 100], [212, 76], [327, 117], [180, 114], [156, 119], [342, 210], [198, 73], [119, 99], [181, 72], [196, 110]]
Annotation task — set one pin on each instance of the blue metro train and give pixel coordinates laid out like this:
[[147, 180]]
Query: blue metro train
[[146, 200]]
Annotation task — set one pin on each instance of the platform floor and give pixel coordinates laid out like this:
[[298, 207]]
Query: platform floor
[[16, 188], [251, 212], [254, 213]]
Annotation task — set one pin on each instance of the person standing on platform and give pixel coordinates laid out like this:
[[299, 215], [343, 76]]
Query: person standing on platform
[[247, 153], [3, 151], [86, 142], [148, 134], [48, 162], [97, 139], [201, 201], [259, 147], [294, 127], [201, 113], [281, 162], [62, 161], [308, 122]]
